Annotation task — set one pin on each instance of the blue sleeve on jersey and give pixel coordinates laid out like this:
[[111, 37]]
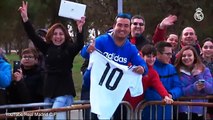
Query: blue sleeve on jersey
[[84, 52]]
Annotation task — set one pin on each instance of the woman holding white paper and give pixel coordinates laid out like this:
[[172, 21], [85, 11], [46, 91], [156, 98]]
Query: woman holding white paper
[[59, 51]]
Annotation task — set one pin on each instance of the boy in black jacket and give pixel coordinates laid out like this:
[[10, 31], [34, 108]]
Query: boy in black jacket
[[27, 84]]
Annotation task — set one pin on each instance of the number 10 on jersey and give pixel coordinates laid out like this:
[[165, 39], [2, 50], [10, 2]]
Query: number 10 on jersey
[[111, 77]]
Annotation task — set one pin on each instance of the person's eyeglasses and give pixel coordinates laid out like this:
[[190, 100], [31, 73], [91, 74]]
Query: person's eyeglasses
[[28, 57], [168, 54], [206, 47], [136, 23]]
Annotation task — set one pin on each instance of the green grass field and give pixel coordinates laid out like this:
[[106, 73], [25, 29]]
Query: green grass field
[[77, 77]]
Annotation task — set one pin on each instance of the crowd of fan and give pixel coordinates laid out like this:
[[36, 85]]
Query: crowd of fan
[[176, 65]]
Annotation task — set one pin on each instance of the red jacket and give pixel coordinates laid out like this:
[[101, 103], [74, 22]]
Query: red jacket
[[150, 80], [159, 35]]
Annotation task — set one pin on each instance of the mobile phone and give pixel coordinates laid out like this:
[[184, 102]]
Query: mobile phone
[[201, 81], [16, 66]]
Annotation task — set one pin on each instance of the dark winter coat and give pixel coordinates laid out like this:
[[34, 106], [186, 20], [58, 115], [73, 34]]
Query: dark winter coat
[[58, 63]]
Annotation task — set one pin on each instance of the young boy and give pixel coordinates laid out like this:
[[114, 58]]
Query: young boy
[[27, 83], [150, 80]]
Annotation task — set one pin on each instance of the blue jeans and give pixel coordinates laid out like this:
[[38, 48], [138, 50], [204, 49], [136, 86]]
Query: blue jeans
[[60, 101]]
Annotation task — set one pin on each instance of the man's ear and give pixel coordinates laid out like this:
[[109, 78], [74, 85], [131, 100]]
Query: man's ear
[[36, 60], [144, 28], [113, 25], [196, 38], [181, 38]]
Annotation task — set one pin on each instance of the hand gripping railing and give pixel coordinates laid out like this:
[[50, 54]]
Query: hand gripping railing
[[143, 104]]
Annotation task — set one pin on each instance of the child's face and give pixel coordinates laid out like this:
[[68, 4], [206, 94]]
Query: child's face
[[28, 60], [150, 59], [207, 49]]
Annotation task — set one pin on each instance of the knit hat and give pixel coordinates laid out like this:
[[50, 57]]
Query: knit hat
[[41, 32]]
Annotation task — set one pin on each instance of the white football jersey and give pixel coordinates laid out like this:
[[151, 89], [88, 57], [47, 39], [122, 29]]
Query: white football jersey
[[109, 83]]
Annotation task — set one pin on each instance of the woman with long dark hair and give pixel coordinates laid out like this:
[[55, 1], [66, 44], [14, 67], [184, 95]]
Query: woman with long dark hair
[[207, 58], [59, 51], [196, 80]]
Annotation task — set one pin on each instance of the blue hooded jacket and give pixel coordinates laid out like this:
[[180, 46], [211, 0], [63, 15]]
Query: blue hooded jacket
[[5, 73], [170, 79]]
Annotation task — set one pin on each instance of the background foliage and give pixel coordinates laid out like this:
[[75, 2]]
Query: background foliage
[[100, 15]]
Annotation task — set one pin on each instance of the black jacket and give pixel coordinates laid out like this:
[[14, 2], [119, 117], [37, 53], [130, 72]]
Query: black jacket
[[58, 63], [141, 41], [29, 89]]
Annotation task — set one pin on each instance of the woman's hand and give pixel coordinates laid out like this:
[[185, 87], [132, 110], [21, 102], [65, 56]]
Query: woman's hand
[[23, 11], [80, 23], [200, 86], [196, 71], [17, 76]]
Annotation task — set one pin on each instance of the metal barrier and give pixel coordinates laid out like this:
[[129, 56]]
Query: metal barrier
[[42, 112], [20, 107], [73, 112], [76, 110], [139, 109], [126, 110]]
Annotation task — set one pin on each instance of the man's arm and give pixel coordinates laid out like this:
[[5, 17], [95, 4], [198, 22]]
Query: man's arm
[[160, 30]]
